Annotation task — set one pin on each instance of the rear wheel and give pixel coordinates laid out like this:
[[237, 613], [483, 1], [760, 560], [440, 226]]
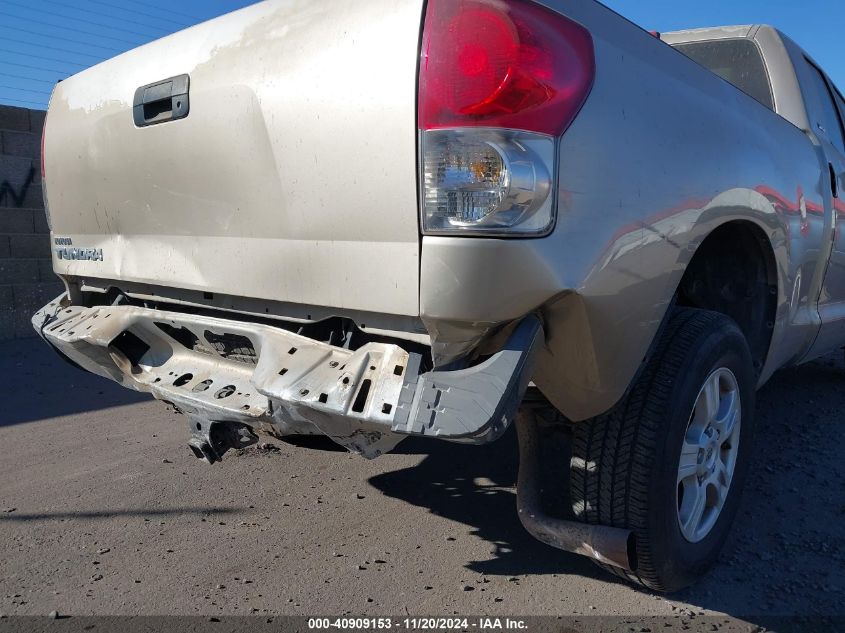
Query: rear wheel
[[670, 460]]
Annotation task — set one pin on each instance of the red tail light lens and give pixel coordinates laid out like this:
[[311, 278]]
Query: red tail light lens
[[502, 63]]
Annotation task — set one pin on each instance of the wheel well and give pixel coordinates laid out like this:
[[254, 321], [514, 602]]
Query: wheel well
[[733, 272]]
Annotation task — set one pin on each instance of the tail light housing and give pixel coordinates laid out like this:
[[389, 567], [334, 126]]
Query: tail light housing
[[499, 81]]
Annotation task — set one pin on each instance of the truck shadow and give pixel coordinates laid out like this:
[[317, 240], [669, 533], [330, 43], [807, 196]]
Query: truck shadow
[[475, 486], [38, 385], [784, 556]]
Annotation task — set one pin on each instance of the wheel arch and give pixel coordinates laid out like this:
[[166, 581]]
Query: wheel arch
[[734, 271], [599, 337]]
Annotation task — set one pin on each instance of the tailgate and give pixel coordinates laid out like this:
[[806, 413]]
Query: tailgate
[[292, 178]]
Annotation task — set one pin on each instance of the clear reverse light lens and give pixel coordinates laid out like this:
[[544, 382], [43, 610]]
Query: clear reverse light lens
[[466, 181], [486, 181]]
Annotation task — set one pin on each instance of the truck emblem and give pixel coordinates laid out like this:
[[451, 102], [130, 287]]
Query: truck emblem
[[89, 254]]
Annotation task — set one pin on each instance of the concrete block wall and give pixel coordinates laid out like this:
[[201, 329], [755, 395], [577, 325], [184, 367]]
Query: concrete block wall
[[27, 281]]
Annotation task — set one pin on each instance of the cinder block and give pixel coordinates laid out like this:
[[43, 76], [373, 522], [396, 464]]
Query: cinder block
[[7, 298], [31, 297], [30, 246], [14, 168], [34, 198], [5, 249], [18, 271], [23, 323], [36, 121], [40, 221], [13, 118], [18, 188], [21, 144], [16, 221], [25, 195], [45, 272], [7, 325]]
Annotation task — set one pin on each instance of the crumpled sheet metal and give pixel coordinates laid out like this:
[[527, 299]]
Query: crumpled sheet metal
[[297, 386], [366, 400]]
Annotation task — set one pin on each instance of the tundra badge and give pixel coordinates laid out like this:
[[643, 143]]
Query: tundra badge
[[67, 251]]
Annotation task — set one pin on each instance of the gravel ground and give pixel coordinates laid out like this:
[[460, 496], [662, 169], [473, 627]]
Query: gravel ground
[[104, 510]]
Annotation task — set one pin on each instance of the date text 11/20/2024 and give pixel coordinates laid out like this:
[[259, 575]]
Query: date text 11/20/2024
[[440, 624]]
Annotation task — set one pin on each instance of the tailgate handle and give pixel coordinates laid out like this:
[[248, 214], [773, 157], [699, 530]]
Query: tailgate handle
[[162, 101]]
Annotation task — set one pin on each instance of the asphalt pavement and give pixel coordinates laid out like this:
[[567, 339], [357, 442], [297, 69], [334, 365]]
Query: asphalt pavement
[[104, 510]]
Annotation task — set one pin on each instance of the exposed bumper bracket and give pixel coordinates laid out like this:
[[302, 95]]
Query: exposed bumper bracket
[[261, 376], [474, 404]]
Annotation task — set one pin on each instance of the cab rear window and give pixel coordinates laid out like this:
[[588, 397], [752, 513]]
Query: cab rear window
[[736, 60]]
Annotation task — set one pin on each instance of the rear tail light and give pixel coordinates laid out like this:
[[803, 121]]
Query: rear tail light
[[499, 80], [502, 63]]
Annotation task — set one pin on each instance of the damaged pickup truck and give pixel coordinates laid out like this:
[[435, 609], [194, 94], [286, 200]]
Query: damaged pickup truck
[[386, 218]]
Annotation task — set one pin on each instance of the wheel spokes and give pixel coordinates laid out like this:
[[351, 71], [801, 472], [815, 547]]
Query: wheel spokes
[[708, 454], [691, 519], [721, 478], [707, 404], [726, 423], [688, 466]]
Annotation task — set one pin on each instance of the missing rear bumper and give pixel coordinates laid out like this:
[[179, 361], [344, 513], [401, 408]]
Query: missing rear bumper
[[267, 378]]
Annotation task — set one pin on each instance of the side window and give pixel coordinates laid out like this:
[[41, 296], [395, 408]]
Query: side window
[[737, 61], [823, 114]]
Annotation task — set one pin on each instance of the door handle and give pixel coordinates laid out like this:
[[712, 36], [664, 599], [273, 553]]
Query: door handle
[[162, 101]]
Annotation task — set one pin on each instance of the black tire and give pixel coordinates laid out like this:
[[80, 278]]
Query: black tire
[[623, 471]]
